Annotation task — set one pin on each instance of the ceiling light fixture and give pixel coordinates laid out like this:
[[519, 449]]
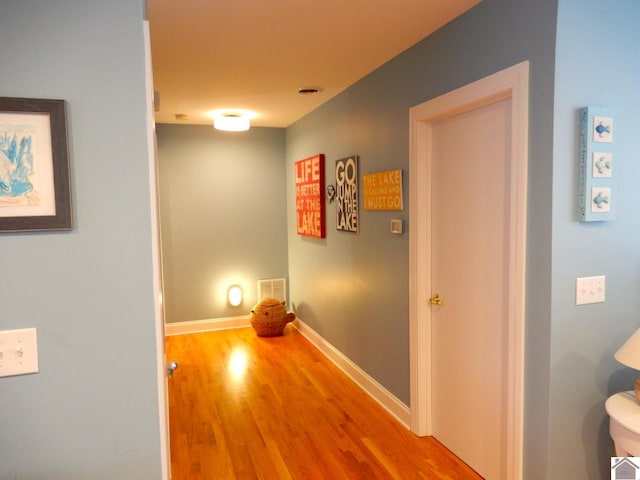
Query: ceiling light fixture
[[231, 122]]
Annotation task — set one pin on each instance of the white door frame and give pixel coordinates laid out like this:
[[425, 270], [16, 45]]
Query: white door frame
[[510, 83], [161, 372]]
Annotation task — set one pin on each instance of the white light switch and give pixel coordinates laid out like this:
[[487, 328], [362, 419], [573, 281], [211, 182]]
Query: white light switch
[[590, 290], [18, 352]]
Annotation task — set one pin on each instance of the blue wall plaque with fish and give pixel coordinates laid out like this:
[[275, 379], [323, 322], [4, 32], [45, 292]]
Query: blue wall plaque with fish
[[596, 201]]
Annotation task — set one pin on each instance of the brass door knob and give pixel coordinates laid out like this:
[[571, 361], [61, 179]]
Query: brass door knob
[[435, 300]]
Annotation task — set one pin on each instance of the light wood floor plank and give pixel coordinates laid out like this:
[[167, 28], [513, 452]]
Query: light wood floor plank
[[248, 407]]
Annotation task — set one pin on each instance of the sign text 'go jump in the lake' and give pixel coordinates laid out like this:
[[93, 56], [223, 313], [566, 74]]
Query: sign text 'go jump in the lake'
[[347, 194]]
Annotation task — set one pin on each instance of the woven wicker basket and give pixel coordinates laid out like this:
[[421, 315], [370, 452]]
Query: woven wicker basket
[[269, 317]]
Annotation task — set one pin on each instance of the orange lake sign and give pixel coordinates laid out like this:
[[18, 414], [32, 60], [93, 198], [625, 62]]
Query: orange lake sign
[[383, 190]]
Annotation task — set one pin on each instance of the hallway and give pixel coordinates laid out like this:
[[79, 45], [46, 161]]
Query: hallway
[[247, 407]]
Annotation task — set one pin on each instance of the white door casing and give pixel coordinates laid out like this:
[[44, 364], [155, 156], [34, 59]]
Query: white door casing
[[163, 404], [512, 84]]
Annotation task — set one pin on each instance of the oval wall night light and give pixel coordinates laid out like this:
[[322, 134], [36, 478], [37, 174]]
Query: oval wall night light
[[234, 295]]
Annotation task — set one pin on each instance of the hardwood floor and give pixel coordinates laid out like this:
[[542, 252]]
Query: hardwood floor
[[247, 407]]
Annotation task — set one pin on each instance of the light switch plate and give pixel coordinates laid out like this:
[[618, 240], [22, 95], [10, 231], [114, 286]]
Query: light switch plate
[[18, 352], [590, 290]]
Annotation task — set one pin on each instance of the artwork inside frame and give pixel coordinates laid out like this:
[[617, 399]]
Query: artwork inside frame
[[347, 218], [35, 189], [310, 205]]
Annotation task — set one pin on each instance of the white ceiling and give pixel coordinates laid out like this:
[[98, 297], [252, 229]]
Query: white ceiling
[[255, 54]]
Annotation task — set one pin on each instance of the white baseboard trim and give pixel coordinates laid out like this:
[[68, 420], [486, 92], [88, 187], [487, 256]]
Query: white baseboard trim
[[376, 391], [195, 326]]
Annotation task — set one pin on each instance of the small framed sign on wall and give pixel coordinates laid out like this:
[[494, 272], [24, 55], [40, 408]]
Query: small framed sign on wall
[[310, 207], [383, 190], [347, 194]]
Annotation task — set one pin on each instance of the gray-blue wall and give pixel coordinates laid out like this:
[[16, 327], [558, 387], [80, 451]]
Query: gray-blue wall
[[222, 206], [93, 410], [356, 295], [597, 64]]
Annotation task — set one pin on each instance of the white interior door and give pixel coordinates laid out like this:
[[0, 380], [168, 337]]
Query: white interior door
[[469, 271], [468, 192]]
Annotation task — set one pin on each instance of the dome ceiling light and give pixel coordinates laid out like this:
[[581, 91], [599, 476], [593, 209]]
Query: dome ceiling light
[[231, 122]]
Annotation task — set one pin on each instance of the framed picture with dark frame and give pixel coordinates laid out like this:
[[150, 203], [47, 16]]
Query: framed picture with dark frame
[[347, 218], [35, 191]]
